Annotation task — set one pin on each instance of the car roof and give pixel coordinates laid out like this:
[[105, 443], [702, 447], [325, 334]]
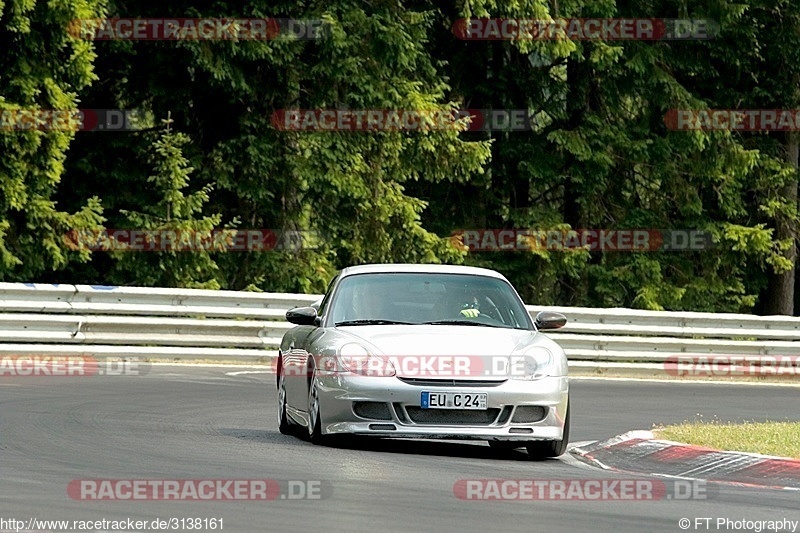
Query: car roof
[[420, 269]]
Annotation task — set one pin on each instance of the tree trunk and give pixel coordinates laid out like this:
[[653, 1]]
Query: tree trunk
[[579, 102], [781, 293]]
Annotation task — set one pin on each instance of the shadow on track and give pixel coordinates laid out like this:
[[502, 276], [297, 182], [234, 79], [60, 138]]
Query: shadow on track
[[465, 449]]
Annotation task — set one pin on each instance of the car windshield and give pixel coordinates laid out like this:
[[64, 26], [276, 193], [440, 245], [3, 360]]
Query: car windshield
[[424, 298]]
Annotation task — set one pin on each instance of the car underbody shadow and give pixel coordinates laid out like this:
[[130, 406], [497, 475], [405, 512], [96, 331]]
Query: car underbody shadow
[[431, 447], [467, 449]]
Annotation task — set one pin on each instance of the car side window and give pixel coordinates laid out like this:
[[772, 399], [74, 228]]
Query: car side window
[[324, 304]]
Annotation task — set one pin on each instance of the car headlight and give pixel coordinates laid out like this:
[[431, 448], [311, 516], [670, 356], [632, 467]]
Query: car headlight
[[356, 359], [534, 363]]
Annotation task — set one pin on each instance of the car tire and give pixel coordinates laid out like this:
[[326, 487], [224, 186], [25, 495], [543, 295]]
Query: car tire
[[284, 426], [545, 449], [314, 425]]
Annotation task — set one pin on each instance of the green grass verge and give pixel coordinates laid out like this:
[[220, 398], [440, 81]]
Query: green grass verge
[[769, 438]]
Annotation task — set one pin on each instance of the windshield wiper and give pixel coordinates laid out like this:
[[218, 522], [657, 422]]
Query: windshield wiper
[[371, 322], [459, 322]]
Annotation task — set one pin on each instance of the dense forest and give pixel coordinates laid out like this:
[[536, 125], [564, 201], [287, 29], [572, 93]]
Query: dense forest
[[599, 148]]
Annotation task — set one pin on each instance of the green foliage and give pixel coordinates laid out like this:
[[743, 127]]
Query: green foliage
[[599, 154], [176, 211], [605, 159], [42, 69]]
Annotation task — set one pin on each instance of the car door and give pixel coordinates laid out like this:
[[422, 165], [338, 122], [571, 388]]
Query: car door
[[300, 348]]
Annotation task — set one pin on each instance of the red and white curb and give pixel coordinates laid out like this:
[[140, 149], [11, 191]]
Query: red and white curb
[[639, 452]]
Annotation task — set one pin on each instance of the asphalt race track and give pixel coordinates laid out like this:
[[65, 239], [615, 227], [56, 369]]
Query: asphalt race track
[[182, 423]]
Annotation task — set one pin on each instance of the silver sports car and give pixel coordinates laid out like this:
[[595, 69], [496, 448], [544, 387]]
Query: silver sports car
[[426, 351]]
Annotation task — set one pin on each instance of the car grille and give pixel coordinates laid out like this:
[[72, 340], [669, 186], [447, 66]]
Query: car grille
[[452, 416], [428, 382]]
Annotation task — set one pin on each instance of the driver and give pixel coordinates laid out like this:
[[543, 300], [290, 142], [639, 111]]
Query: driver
[[471, 309]]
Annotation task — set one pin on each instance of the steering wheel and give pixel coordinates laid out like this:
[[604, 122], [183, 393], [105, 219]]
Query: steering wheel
[[494, 311]]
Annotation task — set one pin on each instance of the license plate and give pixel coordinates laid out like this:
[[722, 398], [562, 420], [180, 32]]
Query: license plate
[[453, 400]]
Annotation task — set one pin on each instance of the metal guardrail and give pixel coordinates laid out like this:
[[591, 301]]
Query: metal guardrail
[[135, 321], [620, 334]]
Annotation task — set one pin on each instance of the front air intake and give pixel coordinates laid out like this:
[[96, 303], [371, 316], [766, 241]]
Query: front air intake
[[372, 410], [527, 414]]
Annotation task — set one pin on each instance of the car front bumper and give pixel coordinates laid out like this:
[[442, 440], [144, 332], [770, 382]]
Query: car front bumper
[[339, 392]]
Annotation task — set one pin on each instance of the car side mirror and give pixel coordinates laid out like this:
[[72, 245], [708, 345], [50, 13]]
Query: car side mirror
[[302, 316], [549, 320]]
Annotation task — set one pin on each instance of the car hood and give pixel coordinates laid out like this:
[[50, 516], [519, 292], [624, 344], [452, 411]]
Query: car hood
[[443, 339], [482, 351]]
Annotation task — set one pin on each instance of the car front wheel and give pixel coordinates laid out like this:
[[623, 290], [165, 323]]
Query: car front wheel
[[545, 449], [284, 426], [314, 425]]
